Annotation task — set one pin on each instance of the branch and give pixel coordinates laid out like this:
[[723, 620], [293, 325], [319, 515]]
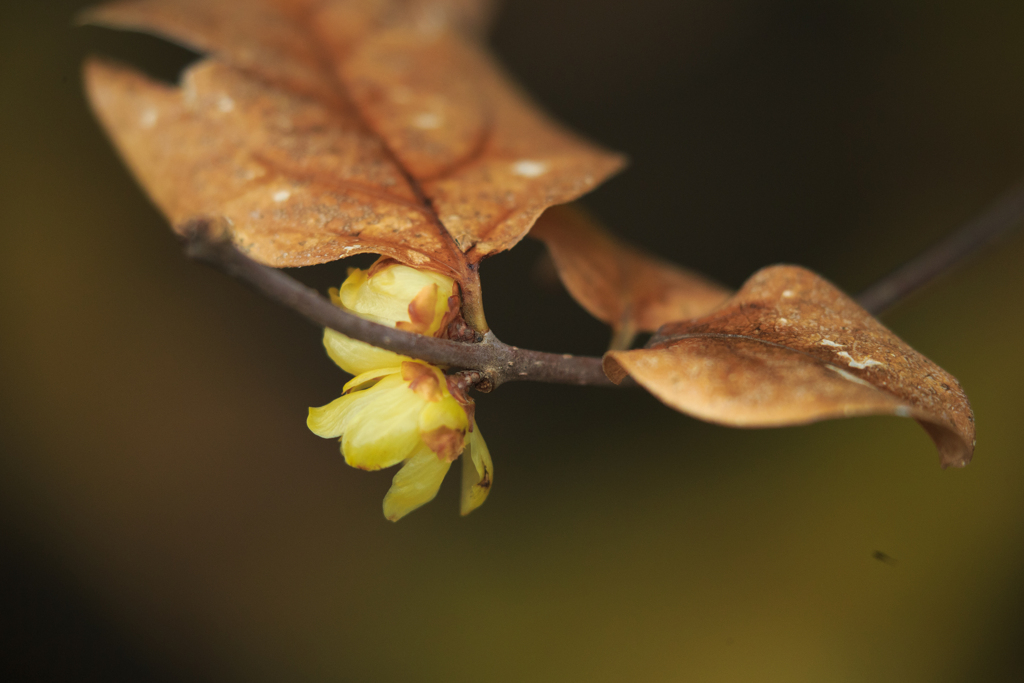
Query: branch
[[1001, 217], [499, 363], [496, 361]]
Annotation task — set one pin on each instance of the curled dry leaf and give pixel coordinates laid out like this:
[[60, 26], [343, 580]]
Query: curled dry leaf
[[324, 128], [629, 289], [789, 349]]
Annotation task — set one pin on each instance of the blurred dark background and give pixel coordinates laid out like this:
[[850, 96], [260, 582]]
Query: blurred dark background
[[166, 516]]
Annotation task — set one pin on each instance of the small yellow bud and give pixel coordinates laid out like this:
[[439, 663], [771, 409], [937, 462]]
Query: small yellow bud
[[391, 294]]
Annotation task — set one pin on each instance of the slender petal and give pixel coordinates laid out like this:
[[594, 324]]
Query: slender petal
[[356, 357], [477, 472], [382, 431], [378, 426], [328, 421], [360, 381], [415, 484]]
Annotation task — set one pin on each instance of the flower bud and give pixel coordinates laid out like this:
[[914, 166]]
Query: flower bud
[[395, 295]]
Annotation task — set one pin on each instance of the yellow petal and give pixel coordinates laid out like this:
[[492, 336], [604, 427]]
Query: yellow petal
[[328, 421], [426, 380], [444, 413], [415, 484], [382, 430], [477, 472], [359, 381], [443, 422], [445, 442], [378, 426], [356, 357]]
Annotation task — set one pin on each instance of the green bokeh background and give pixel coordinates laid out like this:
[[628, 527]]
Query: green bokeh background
[[165, 514]]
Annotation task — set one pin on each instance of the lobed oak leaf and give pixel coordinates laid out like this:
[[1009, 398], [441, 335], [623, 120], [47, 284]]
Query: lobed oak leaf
[[788, 349], [322, 128], [629, 289]]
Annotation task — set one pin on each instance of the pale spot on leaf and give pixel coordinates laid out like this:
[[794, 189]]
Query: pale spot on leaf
[[859, 364], [528, 168], [845, 375], [427, 121], [148, 118]]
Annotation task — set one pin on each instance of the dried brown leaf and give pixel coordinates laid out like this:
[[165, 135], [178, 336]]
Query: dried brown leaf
[[320, 129], [299, 183], [619, 284], [789, 349]]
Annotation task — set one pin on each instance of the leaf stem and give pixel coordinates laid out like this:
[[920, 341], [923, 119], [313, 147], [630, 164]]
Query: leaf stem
[[999, 218], [472, 300], [497, 362]]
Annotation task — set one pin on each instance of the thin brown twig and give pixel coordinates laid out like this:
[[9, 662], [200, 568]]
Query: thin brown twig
[[496, 361], [999, 218], [499, 363]]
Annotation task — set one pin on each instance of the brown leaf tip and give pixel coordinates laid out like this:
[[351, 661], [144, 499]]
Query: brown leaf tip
[[790, 348]]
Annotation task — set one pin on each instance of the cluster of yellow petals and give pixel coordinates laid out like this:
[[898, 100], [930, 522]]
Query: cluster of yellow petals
[[396, 409]]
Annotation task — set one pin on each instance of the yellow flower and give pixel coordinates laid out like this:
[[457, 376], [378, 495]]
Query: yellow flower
[[396, 409], [408, 414], [391, 294]]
